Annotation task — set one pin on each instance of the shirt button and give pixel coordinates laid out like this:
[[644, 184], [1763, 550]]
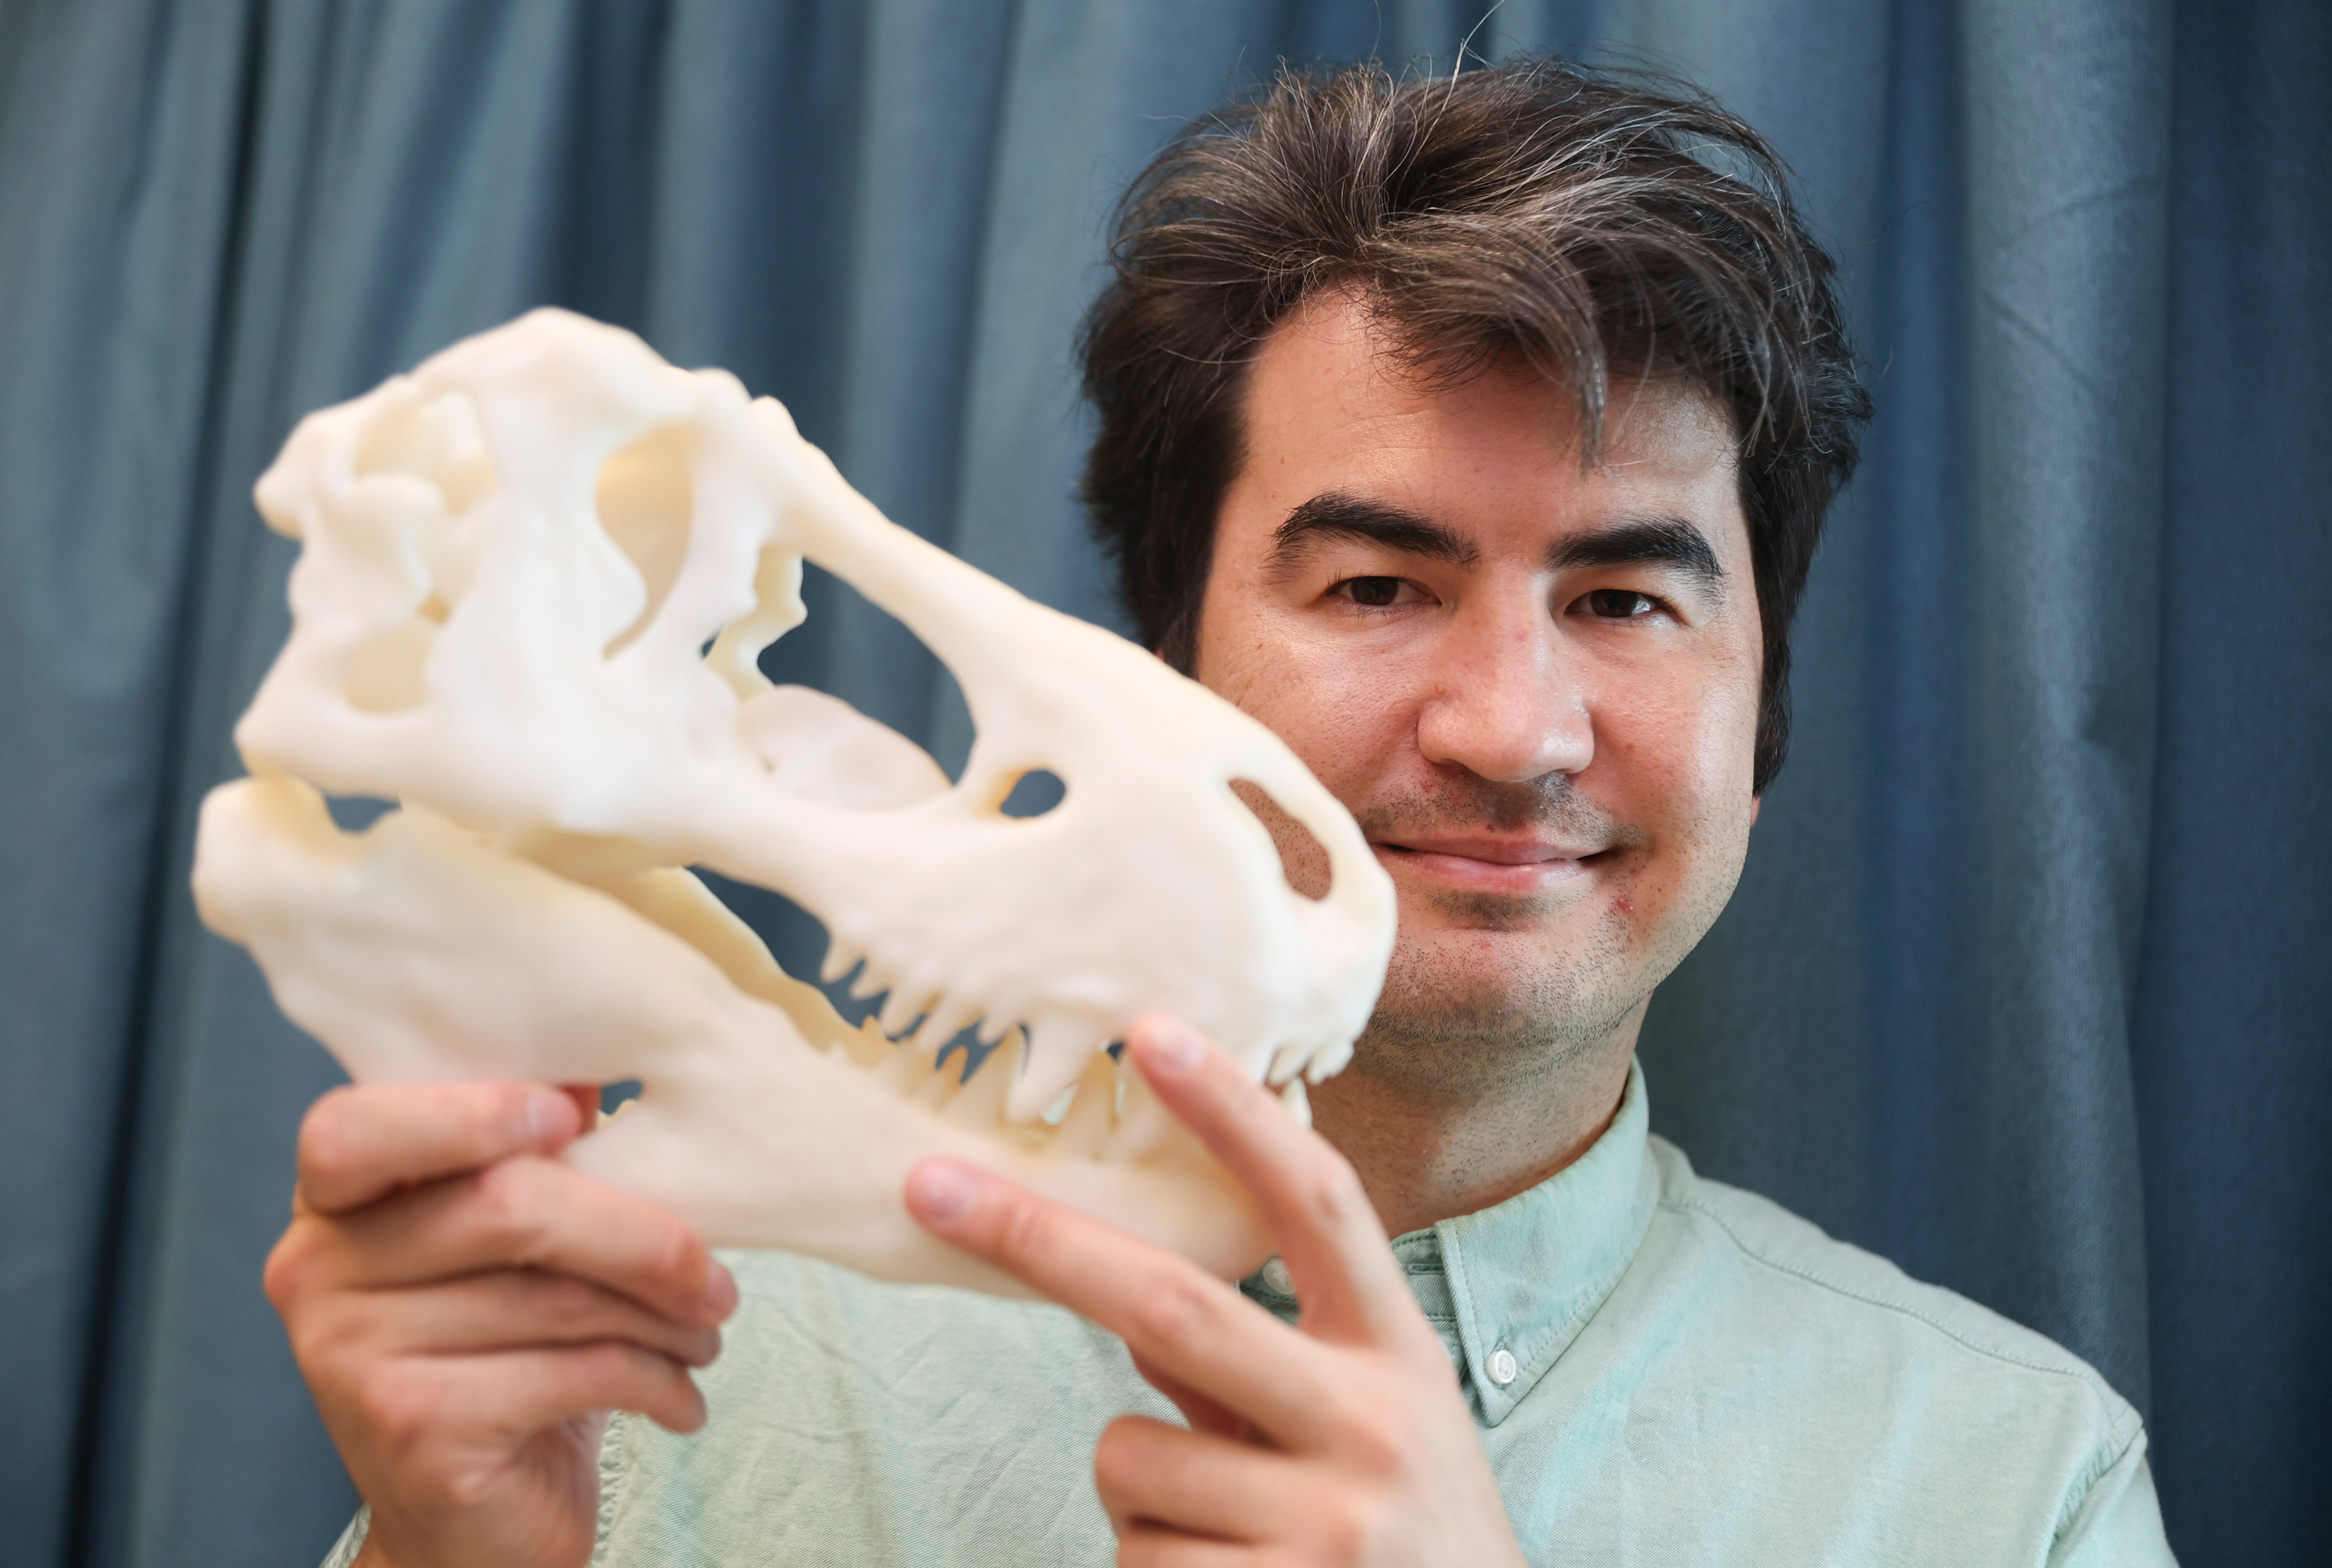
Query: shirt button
[[1501, 1367], [1276, 1277]]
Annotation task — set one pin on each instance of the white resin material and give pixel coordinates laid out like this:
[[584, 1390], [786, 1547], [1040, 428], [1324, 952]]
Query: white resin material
[[513, 563]]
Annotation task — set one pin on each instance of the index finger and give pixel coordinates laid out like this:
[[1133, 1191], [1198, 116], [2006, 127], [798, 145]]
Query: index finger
[[362, 1142], [1173, 1316], [1329, 1235]]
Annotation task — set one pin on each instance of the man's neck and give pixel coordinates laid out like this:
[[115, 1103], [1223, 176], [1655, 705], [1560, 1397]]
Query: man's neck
[[1425, 1156]]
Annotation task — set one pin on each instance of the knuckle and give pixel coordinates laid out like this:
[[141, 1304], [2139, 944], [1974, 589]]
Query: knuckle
[[1353, 1524], [465, 1488], [491, 1113], [289, 1264], [326, 1337], [1373, 1429], [1024, 1231], [1377, 1450], [505, 1201], [326, 1153], [626, 1376], [673, 1254], [610, 1360], [1330, 1194], [1178, 1311], [1144, 1551], [393, 1407], [444, 1478], [1118, 1457], [567, 1308]]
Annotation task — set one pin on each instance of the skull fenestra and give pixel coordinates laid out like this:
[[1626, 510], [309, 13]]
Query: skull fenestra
[[534, 579]]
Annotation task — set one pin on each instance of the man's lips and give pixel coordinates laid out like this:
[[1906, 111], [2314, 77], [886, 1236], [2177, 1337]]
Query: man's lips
[[1488, 865]]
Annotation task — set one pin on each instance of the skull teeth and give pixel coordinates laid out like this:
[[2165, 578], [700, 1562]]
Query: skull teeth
[[1329, 1062], [1119, 1121], [944, 1020], [900, 1009], [1075, 1125], [980, 1102], [1299, 1102]]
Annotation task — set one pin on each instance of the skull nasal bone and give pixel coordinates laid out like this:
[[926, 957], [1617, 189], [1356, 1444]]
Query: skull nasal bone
[[1034, 793]]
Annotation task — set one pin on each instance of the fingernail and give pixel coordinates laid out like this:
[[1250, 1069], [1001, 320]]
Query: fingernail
[[720, 1289], [941, 1193], [1171, 1047], [548, 1115]]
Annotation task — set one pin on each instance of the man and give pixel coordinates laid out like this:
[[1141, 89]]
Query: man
[[1475, 435]]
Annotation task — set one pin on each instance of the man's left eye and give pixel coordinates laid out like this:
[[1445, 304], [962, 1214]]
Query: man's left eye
[[1620, 604]]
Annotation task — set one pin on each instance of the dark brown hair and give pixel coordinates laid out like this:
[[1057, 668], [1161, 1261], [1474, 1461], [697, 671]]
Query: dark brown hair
[[1596, 226]]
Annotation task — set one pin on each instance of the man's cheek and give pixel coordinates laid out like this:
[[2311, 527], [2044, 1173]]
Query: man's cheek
[[1675, 748], [1353, 730]]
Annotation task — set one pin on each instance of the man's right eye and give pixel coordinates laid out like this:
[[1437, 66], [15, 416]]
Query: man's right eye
[[1373, 591]]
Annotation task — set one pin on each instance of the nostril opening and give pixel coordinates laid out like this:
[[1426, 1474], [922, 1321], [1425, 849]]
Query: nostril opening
[[356, 813], [1302, 859], [1034, 793]]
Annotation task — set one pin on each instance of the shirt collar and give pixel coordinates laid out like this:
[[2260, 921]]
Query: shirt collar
[[1526, 1275], [1521, 1279]]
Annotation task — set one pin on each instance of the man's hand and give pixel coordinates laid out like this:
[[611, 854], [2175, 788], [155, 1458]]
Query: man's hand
[[467, 1310], [1341, 1441]]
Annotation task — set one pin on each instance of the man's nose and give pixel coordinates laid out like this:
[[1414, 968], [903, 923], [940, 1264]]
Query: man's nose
[[1505, 704]]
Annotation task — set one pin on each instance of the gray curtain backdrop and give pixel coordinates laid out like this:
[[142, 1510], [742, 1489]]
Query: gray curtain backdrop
[[2029, 983]]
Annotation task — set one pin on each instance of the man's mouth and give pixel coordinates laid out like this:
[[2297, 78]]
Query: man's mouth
[[1489, 864]]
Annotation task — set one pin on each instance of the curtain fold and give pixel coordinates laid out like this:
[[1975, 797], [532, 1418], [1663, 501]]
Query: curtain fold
[[2027, 984]]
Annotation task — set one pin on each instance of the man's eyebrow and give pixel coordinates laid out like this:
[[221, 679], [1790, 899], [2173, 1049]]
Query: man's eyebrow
[[1335, 515], [1640, 542]]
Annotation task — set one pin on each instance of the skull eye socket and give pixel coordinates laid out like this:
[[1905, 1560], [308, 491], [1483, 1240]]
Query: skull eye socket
[[646, 498], [1302, 859]]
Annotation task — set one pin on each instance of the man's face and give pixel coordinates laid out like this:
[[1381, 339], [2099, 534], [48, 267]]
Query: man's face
[[1534, 683]]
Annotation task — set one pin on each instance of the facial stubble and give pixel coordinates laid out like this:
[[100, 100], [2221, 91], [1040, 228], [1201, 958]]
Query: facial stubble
[[1453, 1026]]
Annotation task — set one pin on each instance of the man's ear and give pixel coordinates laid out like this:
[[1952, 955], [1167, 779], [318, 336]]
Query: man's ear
[[1757, 804]]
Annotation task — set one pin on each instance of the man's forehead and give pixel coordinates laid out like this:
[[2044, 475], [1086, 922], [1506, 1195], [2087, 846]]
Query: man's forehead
[[1335, 359], [1335, 405]]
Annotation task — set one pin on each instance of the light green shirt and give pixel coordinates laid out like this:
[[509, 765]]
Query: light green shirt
[[1663, 1371]]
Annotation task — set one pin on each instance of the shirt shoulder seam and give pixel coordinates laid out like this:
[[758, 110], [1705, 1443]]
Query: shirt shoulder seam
[[2118, 1413], [2101, 1465]]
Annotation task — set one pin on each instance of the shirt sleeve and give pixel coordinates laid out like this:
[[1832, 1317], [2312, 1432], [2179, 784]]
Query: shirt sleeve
[[611, 1474], [2119, 1520], [612, 1458]]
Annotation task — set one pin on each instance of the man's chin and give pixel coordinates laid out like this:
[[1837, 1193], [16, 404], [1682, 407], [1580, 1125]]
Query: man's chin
[[1461, 1015], [1518, 913]]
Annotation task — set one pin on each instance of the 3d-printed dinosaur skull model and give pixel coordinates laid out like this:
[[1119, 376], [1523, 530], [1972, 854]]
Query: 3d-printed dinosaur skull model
[[534, 578]]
